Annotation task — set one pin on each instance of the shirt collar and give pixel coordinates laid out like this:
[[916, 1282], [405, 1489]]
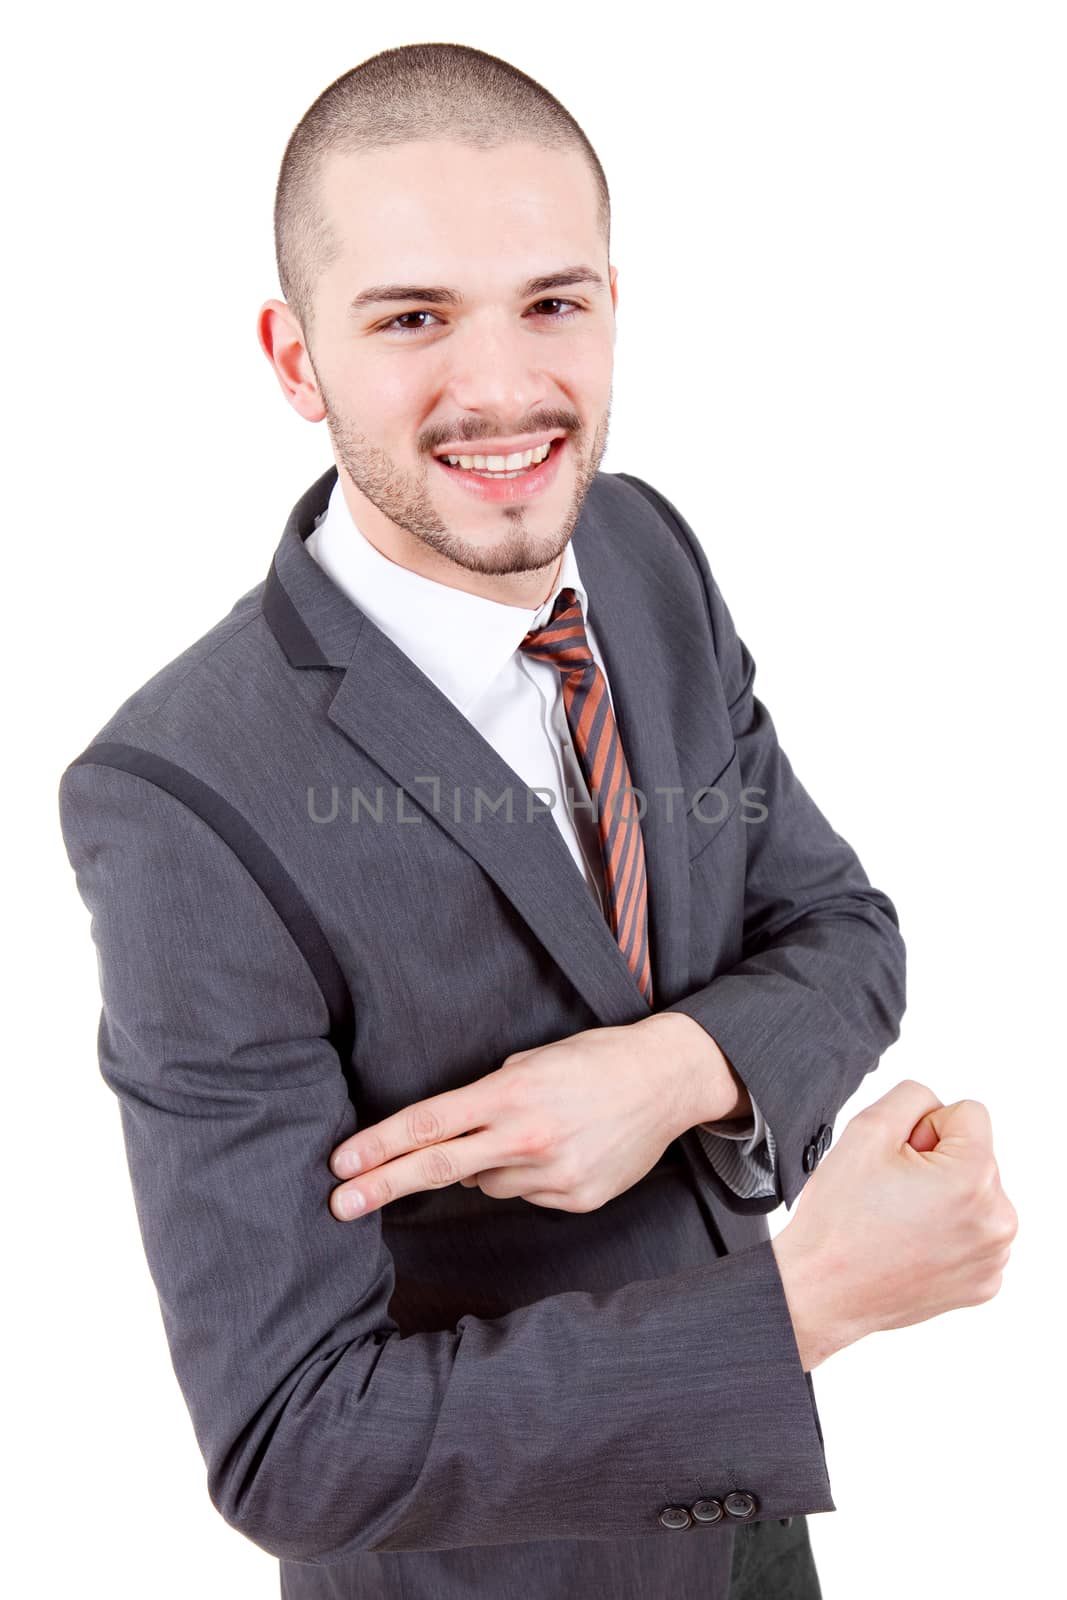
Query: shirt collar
[[459, 640]]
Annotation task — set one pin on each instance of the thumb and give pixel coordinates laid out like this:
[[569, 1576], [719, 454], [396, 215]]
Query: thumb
[[901, 1111], [924, 1135], [964, 1123]]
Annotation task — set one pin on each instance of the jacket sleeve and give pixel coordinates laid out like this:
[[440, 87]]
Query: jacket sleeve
[[819, 993], [323, 1430]]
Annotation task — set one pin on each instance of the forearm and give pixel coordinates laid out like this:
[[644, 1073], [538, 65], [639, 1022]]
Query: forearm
[[528, 1438]]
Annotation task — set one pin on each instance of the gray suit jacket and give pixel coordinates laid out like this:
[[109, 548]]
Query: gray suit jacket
[[459, 1394]]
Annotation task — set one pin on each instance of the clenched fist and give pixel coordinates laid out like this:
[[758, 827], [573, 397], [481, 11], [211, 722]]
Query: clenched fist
[[904, 1218]]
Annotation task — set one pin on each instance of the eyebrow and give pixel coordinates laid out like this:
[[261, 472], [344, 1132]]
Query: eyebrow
[[437, 295]]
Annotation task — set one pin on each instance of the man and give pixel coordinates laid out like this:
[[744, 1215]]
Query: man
[[355, 901]]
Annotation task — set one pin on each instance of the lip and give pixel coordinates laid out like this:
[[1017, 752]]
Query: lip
[[510, 489]]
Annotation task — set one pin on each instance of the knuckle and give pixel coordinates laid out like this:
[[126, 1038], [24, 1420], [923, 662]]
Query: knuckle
[[439, 1168], [566, 1177], [423, 1126], [578, 1199], [515, 1092], [1011, 1216], [913, 1086], [989, 1286], [993, 1233], [1003, 1236], [373, 1146], [986, 1186], [532, 1141], [990, 1201]]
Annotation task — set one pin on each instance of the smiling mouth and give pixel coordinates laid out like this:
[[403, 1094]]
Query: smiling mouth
[[502, 477]]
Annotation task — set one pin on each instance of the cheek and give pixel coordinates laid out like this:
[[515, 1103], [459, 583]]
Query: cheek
[[586, 380], [392, 424], [385, 393], [588, 359], [401, 403]]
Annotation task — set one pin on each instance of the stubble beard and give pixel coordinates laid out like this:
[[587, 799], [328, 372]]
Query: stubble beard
[[404, 497]]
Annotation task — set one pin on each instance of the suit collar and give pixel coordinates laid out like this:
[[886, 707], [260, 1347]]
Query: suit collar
[[393, 712], [313, 621]]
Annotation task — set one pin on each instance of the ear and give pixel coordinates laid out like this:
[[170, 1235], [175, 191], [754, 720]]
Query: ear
[[282, 341]]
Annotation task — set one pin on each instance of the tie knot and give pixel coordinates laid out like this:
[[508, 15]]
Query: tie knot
[[562, 640]]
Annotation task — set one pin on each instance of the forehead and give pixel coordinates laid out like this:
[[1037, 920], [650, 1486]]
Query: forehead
[[430, 201]]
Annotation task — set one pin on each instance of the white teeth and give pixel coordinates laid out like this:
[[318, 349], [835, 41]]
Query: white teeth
[[517, 462]]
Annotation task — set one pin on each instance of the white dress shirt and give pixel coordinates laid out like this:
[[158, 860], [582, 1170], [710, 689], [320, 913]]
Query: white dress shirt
[[469, 647]]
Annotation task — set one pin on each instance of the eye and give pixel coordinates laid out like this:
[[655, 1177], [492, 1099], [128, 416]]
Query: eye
[[553, 316], [561, 316], [391, 327]]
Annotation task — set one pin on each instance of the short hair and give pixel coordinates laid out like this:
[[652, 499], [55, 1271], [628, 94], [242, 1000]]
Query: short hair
[[412, 92]]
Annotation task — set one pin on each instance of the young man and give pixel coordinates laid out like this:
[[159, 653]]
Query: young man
[[461, 848]]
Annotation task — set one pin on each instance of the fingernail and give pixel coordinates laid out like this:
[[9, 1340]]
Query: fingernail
[[347, 1164], [352, 1203]]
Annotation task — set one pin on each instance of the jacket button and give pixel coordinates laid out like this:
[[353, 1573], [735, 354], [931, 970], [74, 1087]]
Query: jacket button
[[675, 1517], [708, 1510], [826, 1133], [811, 1156], [741, 1505]]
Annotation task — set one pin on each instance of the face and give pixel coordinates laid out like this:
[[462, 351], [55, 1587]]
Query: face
[[497, 366]]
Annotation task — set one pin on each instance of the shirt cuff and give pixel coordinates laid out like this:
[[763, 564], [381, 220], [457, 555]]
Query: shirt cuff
[[742, 1153], [752, 1128]]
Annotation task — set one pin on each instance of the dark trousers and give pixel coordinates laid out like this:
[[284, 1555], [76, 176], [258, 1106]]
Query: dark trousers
[[772, 1562]]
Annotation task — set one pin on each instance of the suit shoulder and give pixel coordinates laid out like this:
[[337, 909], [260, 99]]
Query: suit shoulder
[[645, 501], [649, 515], [184, 694]]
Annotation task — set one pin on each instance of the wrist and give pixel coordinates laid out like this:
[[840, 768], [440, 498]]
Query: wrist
[[812, 1292], [708, 1087]]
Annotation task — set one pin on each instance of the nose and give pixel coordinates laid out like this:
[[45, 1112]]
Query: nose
[[496, 367]]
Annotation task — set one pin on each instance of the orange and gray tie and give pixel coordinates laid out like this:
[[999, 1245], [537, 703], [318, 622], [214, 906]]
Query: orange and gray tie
[[563, 642]]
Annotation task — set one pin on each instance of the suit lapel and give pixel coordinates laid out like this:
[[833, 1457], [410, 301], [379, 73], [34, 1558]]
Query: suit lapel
[[391, 710]]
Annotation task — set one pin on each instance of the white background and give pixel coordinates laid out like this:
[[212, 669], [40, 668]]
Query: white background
[[841, 352]]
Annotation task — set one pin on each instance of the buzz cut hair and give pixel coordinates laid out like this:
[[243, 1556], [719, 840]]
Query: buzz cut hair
[[413, 92]]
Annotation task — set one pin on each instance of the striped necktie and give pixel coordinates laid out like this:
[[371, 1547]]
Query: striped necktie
[[563, 642]]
